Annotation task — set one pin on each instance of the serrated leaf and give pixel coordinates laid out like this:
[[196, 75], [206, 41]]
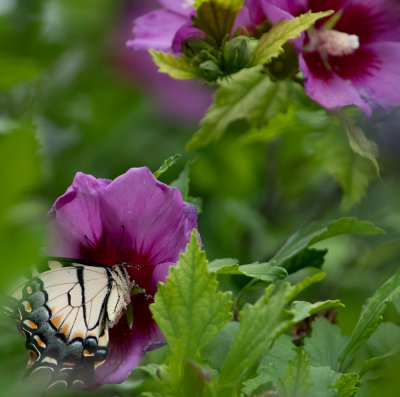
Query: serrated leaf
[[296, 381], [324, 344], [260, 325], [188, 309], [322, 378], [180, 68], [247, 95], [272, 366], [370, 318], [166, 164], [216, 18], [318, 231], [270, 43], [263, 271], [346, 385]]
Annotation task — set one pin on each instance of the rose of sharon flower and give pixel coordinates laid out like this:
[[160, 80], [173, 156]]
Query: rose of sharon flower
[[166, 28], [351, 57], [133, 219]]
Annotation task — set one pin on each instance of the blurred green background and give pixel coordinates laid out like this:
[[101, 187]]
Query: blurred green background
[[74, 98]]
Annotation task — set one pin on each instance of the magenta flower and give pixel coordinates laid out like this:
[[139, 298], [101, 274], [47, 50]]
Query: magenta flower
[[87, 223], [351, 57], [166, 28]]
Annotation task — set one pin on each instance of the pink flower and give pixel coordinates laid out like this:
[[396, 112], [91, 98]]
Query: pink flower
[[166, 28], [87, 223], [351, 57]]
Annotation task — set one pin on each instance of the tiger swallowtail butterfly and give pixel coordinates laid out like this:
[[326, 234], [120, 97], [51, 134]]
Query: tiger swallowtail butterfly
[[65, 313]]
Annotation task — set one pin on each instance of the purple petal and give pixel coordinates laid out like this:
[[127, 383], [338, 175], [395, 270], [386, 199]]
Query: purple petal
[[76, 214], [382, 83], [327, 88], [372, 20], [184, 33], [152, 213], [179, 6], [156, 30]]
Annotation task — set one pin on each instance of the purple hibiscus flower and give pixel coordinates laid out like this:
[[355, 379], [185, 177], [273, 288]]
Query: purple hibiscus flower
[[133, 219], [351, 57]]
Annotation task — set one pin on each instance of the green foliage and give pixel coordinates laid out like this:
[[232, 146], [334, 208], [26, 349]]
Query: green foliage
[[249, 95], [271, 43], [370, 318], [346, 385], [317, 231], [182, 184], [320, 352], [170, 161], [262, 271], [180, 68], [296, 380], [188, 309]]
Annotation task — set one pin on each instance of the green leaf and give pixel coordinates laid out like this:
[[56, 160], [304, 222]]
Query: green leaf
[[271, 43], [188, 309], [263, 271], [352, 171], [370, 317], [216, 18], [260, 325], [302, 310], [247, 95], [166, 164], [296, 381], [324, 344], [346, 385], [272, 366], [318, 231], [182, 184], [215, 352], [359, 143], [177, 67], [305, 258], [322, 378]]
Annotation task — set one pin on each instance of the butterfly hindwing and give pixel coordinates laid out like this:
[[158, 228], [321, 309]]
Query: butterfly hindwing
[[65, 313]]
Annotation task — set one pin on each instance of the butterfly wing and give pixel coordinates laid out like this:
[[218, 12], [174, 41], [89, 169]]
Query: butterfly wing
[[65, 314]]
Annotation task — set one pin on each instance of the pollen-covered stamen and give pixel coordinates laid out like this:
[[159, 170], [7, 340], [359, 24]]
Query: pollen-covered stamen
[[332, 42]]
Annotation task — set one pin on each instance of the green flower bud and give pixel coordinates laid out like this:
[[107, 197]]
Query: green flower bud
[[210, 70]]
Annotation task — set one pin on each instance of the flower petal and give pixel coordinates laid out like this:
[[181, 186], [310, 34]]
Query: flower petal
[[156, 30], [381, 84], [185, 32], [76, 214], [327, 88], [155, 218], [183, 7]]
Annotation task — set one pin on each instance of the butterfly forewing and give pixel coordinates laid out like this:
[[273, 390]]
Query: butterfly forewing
[[65, 313]]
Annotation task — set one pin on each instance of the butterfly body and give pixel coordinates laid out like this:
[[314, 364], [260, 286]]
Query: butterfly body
[[65, 313]]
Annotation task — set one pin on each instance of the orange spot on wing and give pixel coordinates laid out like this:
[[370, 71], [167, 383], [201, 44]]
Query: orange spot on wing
[[69, 364], [29, 289], [77, 335], [39, 341], [56, 320], [64, 329], [27, 306], [86, 353], [98, 363], [30, 324]]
